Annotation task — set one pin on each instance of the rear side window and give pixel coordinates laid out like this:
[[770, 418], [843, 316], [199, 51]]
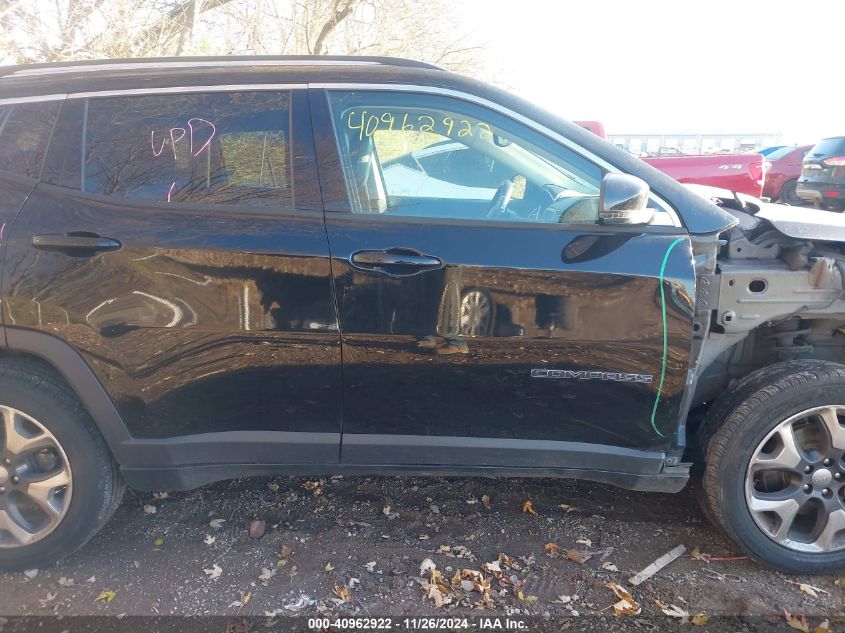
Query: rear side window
[[25, 130], [215, 148]]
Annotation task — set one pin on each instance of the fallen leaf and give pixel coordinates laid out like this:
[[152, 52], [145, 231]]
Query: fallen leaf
[[494, 568], [699, 619], [528, 508], [285, 552], [673, 611], [696, 554], [66, 582], [552, 549], [585, 541], [390, 515], [343, 593], [300, 604], [158, 542], [485, 501], [433, 593], [839, 582], [214, 572], [272, 486], [371, 566], [426, 567], [565, 507], [795, 623], [209, 540], [608, 566], [810, 590], [106, 595], [43, 601], [150, 509], [626, 605], [244, 599], [216, 523], [824, 627], [257, 528], [314, 487], [328, 567], [266, 575], [577, 555]]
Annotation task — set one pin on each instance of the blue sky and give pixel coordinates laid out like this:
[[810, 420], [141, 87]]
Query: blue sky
[[673, 66]]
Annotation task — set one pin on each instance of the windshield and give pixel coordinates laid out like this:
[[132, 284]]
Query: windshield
[[780, 153]]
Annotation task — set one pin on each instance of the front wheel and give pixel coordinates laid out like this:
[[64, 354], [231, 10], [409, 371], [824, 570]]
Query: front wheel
[[774, 476]]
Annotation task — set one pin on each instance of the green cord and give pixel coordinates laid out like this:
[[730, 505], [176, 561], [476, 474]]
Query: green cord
[[665, 335]]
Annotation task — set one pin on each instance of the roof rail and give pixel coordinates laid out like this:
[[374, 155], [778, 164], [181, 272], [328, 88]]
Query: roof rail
[[94, 65]]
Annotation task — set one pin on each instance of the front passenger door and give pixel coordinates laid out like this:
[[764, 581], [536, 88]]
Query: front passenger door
[[486, 317]]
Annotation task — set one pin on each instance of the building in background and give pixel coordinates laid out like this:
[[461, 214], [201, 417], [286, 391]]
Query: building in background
[[679, 144]]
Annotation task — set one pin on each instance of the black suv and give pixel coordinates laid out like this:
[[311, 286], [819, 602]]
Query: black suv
[[221, 267], [822, 180]]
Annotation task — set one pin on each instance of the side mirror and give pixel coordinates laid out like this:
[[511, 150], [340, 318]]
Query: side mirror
[[623, 199]]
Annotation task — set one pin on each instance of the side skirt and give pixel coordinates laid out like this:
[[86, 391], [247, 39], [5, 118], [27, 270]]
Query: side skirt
[[188, 462], [673, 479]]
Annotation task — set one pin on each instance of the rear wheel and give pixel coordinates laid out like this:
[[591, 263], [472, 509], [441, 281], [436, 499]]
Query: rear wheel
[[58, 481], [788, 195], [775, 468]]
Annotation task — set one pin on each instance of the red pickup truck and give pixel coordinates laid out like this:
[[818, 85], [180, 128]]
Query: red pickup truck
[[744, 173]]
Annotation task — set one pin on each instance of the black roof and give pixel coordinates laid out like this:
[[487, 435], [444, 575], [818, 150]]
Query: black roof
[[157, 72]]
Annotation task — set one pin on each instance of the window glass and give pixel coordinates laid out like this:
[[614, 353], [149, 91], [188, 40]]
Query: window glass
[[215, 148], [829, 146], [24, 134], [431, 156], [779, 153], [62, 166]]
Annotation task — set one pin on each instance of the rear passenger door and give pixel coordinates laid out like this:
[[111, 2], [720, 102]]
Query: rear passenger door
[[176, 240]]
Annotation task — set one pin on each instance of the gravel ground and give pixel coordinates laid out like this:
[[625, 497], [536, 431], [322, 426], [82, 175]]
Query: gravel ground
[[354, 546]]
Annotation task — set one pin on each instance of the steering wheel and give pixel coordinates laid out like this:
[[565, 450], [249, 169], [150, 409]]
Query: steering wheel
[[501, 200]]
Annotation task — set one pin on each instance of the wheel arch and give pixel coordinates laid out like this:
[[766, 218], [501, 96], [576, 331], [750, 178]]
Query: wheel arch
[[783, 186], [68, 364]]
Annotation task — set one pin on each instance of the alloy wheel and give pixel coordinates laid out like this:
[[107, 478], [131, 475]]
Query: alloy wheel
[[795, 481], [35, 480], [475, 315]]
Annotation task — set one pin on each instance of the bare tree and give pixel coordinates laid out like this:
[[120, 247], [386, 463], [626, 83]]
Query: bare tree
[[89, 29]]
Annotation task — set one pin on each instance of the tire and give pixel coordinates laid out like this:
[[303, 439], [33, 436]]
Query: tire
[[752, 411], [96, 487], [788, 195]]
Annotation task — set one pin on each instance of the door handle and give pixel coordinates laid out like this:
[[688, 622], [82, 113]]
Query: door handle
[[75, 243], [400, 258]]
